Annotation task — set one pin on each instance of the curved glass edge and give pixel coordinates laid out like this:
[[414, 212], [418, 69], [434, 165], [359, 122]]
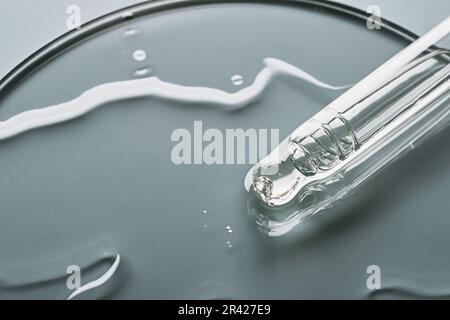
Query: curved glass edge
[[72, 38]]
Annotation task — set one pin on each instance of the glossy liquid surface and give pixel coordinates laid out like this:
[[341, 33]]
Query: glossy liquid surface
[[108, 175]]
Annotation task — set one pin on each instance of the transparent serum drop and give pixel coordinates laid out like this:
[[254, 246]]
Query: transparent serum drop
[[237, 80], [142, 72], [139, 55], [131, 32]]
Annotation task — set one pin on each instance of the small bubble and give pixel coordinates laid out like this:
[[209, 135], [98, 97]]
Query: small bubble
[[139, 55], [229, 244], [237, 80], [142, 72], [205, 226], [229, 230], [204, 212]]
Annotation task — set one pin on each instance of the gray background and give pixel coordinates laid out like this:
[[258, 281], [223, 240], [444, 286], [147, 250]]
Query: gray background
[[108, 176]]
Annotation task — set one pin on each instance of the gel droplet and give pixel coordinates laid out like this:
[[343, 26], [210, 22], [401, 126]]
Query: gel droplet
[[142, 72], [237, 80], [139, 55], [131, 32]]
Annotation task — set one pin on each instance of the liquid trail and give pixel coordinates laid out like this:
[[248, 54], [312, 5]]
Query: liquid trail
[[153, 86], [48, 271], [98, 282]]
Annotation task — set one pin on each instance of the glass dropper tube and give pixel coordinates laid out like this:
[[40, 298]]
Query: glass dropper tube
[[359, 133]]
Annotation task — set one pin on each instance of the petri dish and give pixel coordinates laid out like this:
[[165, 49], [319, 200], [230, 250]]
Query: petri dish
[[80, 192]]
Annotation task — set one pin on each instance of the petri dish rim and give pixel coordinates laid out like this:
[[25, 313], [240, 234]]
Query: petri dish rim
[[110, 20]]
